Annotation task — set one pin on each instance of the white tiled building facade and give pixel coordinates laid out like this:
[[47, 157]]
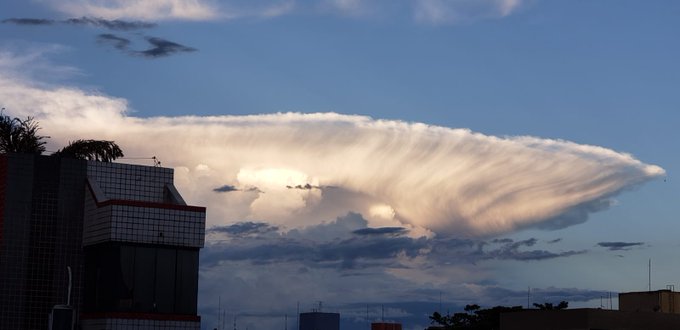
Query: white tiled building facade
[[141, 245]]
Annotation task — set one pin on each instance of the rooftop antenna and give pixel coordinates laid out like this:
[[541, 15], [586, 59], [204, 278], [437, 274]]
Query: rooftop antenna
[[286, 322], [382, 317], [298, 315], [156, 162], [649, 275], [219, 312], [528, 297]]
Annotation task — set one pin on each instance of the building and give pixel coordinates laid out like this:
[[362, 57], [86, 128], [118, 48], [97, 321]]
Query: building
[[104, 245], [319, 321], [587, 319], [385, 326], [664, 301]]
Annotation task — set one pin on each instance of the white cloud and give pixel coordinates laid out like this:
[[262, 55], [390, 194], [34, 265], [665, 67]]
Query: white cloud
[[448, 181], [455, 11], [155, 10], [425, 11]]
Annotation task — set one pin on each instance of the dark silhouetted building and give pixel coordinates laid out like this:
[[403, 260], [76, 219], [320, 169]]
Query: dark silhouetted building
[[588, 319], [319, 321], [385, 326], [123, 231], [664, 301]]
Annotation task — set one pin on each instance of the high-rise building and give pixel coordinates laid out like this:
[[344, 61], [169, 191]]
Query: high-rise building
[[112, 245]]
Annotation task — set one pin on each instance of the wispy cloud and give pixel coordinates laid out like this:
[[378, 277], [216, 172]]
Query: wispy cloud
[[147, 10], [424, 11], [161, 47], [457, 11], [119, 25], [620, 246]]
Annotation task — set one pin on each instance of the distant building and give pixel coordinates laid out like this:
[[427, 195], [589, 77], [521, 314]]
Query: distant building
[[587, 319], [385, 326], [319, 321], [129, 240], [664, 301]]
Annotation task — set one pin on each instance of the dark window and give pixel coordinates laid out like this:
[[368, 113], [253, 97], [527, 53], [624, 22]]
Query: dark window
[[138, 278]]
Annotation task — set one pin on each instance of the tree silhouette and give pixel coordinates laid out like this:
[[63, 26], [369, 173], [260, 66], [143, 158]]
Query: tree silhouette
[[474, 318], [20, 136], [549, 306], [100, 150]]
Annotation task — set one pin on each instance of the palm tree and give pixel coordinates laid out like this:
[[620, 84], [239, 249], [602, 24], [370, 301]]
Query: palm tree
[[20, 136], [100, 150]]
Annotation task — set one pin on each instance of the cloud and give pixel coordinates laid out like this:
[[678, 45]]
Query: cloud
[[146, 10], [226, 188], [186, 10], [29, 21], [424, 11], [448, 182], [390, 231], [116, 24], [247, 228], [120, 25], [119, 43], [457, 11], [620, 246], [161, 47]]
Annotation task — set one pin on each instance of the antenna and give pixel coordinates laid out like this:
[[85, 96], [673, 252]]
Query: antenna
[[383, 313], [367, 324], [219, 312], [286, 322], [156, 162], [298, 315], [440, 301], [649, 276], [528, 297]]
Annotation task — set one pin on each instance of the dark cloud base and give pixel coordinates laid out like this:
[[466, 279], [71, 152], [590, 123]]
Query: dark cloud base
[[620, 246], [353, 245], [161, 47]]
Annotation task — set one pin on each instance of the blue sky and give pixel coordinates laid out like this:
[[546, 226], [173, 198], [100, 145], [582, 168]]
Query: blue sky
[[598, 73]]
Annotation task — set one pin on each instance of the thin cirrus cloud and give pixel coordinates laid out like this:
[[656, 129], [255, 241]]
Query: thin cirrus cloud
[[430, 180], [424, 11]]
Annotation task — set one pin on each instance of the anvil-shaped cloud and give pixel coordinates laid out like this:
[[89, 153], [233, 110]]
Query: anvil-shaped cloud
[[428, 179]]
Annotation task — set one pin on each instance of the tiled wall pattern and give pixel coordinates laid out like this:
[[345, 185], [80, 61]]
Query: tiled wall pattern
[[147, 224], [131, 182], [42, 235], [131, 324]]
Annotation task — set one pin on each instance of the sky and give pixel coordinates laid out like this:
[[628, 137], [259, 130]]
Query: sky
[[412, 156]]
